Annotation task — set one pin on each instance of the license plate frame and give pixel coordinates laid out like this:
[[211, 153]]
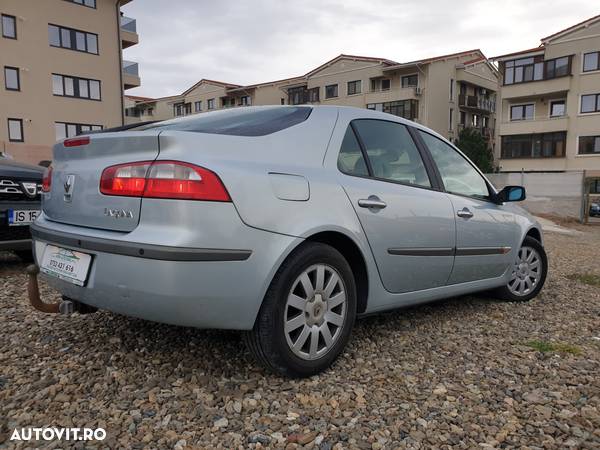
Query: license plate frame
[[22, 217], [68, 265]]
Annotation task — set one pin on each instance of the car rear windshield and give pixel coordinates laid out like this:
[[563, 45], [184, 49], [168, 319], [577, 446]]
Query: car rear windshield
[[238, 122]]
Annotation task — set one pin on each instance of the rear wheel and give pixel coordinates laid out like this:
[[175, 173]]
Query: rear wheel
[[528, 273], [307, 314]]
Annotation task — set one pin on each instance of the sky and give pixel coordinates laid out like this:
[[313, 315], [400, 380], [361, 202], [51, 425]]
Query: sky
[[252, 41]]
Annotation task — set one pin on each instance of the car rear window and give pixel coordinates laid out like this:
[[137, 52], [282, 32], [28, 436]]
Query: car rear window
[[237, 122]]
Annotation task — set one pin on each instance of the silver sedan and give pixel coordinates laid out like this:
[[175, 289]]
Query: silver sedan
[[284, 222]]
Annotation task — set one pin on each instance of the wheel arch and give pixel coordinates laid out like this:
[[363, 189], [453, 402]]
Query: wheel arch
[[535, 233]]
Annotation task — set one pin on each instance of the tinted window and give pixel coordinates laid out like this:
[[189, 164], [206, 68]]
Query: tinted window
[[392, 153], [350, 159], [242, 122], [9, 27], [458, 175]]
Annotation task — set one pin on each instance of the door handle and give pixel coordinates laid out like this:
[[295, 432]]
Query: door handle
[[373, 202], [465, 213]]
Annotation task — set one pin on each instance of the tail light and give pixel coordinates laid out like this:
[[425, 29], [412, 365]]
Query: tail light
[[77, 142], [47, 179], [163, 179]]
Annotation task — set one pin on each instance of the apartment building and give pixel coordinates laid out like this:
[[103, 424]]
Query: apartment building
[[445, 93], [62, 71], [549, 114]]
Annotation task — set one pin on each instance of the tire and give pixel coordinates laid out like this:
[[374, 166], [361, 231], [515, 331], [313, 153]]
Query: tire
[[510, 294], [275, 342], [24, 255]]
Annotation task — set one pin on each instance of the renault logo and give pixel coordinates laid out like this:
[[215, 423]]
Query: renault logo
[[69, 183]]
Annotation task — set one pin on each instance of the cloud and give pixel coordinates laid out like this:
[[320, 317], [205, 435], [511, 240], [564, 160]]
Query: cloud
[[182, 41]]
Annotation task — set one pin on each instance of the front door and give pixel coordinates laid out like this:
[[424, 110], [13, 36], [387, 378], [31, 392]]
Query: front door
[[486, 233], [409, 225]]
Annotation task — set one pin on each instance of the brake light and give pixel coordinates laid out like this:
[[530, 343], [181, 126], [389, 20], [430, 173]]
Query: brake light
[[77, 142], [163, 179], [47, 179]]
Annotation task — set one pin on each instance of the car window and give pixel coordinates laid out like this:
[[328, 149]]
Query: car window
[[236, 122], [458, 175], [392, 152], [350, 159]]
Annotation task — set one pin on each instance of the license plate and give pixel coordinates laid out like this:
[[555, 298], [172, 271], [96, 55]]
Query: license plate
[[18, 217], [65, 264]]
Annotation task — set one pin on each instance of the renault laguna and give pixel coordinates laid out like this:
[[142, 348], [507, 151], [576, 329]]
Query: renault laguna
[[284, 222]]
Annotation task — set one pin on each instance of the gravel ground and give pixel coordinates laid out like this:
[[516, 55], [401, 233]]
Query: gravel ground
[[464, 373]]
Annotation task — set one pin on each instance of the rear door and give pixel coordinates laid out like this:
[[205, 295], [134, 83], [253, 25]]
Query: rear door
[[408, 223], [485, 231], [75, 196]]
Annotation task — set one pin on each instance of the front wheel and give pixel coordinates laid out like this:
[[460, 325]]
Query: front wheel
[[528, 273], [307, 314]]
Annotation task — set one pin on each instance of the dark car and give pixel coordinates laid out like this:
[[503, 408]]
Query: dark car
[[20, 187], [595, 209]]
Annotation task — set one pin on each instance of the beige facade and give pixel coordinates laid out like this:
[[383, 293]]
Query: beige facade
[[549, 119], [444, 93], [62, 71]]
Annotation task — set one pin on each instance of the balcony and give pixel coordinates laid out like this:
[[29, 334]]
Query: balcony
[[477, 103], [534, 89], [486, 132], [407, 93], [129, 34], [131, 76], [544, 125]]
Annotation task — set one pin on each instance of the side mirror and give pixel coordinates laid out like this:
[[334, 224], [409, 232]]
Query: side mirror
[[511, 194]]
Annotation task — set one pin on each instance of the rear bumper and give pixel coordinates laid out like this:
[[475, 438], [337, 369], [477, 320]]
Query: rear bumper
[[198, 287], [15, 244]]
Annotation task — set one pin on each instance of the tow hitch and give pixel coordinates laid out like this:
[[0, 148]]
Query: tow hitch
[[65, 306]]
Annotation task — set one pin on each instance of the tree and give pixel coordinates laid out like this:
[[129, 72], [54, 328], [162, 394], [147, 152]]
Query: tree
[[474, 145]]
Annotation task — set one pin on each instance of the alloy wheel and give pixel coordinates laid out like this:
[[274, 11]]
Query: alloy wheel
[[315, 311], [526, 272]]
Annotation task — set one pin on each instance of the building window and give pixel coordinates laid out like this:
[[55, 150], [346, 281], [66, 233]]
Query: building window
[[589, 145], [67, 86], [210, 103], [590, 103], [402, 108], [245, 100], [463, 118], [283, 101], [198, 106], [313, 94], [557, 108], [591, 61], [331, 91], [11, 78], [451, 89], [522, 112], [535, 68], [546, 145], [15, 130], [80, 41], [380, 84], [66, 130], [410, 81], [451, 119], [9, 26], [178, 109], [354, 87], [88, 3]]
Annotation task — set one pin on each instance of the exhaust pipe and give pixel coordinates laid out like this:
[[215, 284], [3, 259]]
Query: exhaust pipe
[[66, 306]]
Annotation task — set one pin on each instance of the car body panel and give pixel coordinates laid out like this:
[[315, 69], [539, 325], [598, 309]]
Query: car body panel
[[81, 167], [14, 195], [285, 188]]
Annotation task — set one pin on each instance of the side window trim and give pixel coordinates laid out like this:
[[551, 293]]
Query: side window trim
[[363, 149], [430, 165], [490, 187], [430, 168]]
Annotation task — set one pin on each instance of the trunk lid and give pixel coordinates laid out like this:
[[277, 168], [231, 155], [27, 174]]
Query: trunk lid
[[77, 170]]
